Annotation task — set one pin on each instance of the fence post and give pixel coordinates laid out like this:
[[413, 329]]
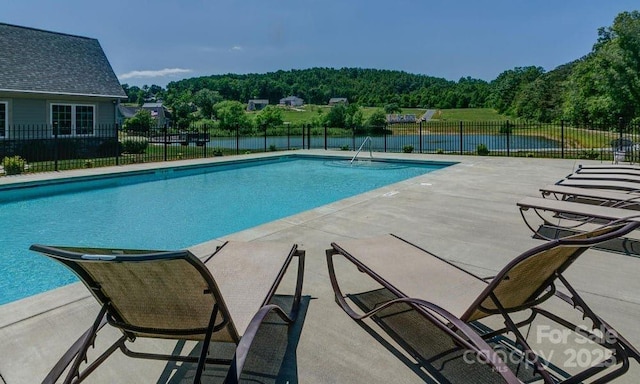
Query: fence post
[[304, 126], [353, 138], [288, 135], [237, 139], [508, 139], [384, 129], [264, 127], [117, 145], [461, 138], [325, 137], [420, 136], [204, 141], [620, 128], [562, 139], [309, 137], [56, 130], [164, 128]]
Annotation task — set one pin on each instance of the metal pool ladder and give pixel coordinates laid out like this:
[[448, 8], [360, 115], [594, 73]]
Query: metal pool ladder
[[366, 139]]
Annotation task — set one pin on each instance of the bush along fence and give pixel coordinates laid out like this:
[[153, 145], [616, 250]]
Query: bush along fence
[[40, 148]]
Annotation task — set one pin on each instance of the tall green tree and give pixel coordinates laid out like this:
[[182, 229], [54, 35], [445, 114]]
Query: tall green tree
[[505, 88], [605, 84], [617, 55], [269, 117], [231, 114], [205, 99]]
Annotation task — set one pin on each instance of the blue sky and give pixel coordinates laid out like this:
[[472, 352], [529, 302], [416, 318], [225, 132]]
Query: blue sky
[[155, 42]]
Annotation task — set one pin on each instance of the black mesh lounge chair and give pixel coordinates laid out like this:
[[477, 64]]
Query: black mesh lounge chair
[[611, 170], [617, 185], [175, 295], [565, 214], [609, 176], [606, 168], [455, 300], [608, 198]]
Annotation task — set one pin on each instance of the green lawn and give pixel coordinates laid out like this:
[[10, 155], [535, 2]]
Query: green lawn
[[470, 114]]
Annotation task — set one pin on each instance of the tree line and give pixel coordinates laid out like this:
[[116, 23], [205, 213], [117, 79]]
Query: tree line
[[602, 86]]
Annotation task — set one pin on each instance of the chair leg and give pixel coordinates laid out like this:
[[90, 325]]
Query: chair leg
[[205, 345], [528, 352], [82, 352]]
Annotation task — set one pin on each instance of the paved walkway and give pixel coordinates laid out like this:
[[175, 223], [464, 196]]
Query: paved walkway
[[465, 213]]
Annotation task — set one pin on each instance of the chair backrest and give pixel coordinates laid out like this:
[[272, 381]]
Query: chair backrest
[[529, 278], [150, 293]]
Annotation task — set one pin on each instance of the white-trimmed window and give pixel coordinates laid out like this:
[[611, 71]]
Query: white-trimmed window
[[73, 119], [4, 119]]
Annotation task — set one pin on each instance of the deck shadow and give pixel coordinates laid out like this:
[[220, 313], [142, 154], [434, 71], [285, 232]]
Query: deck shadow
[[623, 245], [272, 358], [438, 358]]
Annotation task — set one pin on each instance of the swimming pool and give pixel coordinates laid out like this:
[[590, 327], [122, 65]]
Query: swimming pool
[[170, 208]]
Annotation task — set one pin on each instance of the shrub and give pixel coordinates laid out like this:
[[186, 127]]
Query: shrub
[[591, 154], [407, 149], [14, 165], [440, 151], [344, 148], [140, 122], [272, 148], [137, 146], [110, 148], [88, 163], [217, 151], [482, 150]]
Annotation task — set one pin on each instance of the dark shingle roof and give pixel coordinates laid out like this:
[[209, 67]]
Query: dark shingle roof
[[34, 60]]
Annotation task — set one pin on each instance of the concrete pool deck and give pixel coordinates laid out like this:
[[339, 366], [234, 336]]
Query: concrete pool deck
[[465, 213]]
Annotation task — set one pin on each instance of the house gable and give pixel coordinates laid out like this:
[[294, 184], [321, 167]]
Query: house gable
[[37, 61]]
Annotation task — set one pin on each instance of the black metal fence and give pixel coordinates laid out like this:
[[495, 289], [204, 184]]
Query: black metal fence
[[41, 148]]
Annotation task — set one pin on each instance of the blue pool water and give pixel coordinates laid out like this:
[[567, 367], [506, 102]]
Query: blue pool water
[[170, 209]]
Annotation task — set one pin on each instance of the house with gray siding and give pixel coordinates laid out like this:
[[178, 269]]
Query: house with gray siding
[[257, 104], [292, 101], [55, 85], [338, 100]]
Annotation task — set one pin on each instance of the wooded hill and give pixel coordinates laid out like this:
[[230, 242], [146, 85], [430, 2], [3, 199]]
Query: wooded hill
[[602, 86]]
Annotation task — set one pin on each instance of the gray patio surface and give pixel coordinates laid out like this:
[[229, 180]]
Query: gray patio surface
[[465, 213]]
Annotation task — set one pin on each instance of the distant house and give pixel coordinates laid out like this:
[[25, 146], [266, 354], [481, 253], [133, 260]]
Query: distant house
[[159, 113], [257, 104], [56, 84], [124, 113], [292, 101], [338, 100]]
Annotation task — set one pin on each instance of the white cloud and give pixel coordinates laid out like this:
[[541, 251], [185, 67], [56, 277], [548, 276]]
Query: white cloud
[[237, 48], [153, 73]]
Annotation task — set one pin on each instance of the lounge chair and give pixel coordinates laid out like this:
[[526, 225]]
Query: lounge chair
[[454, 300], [609, 176], [606, 167], [572, 215], [609, 171], [174, 295], [601, 184], [609, 198]]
